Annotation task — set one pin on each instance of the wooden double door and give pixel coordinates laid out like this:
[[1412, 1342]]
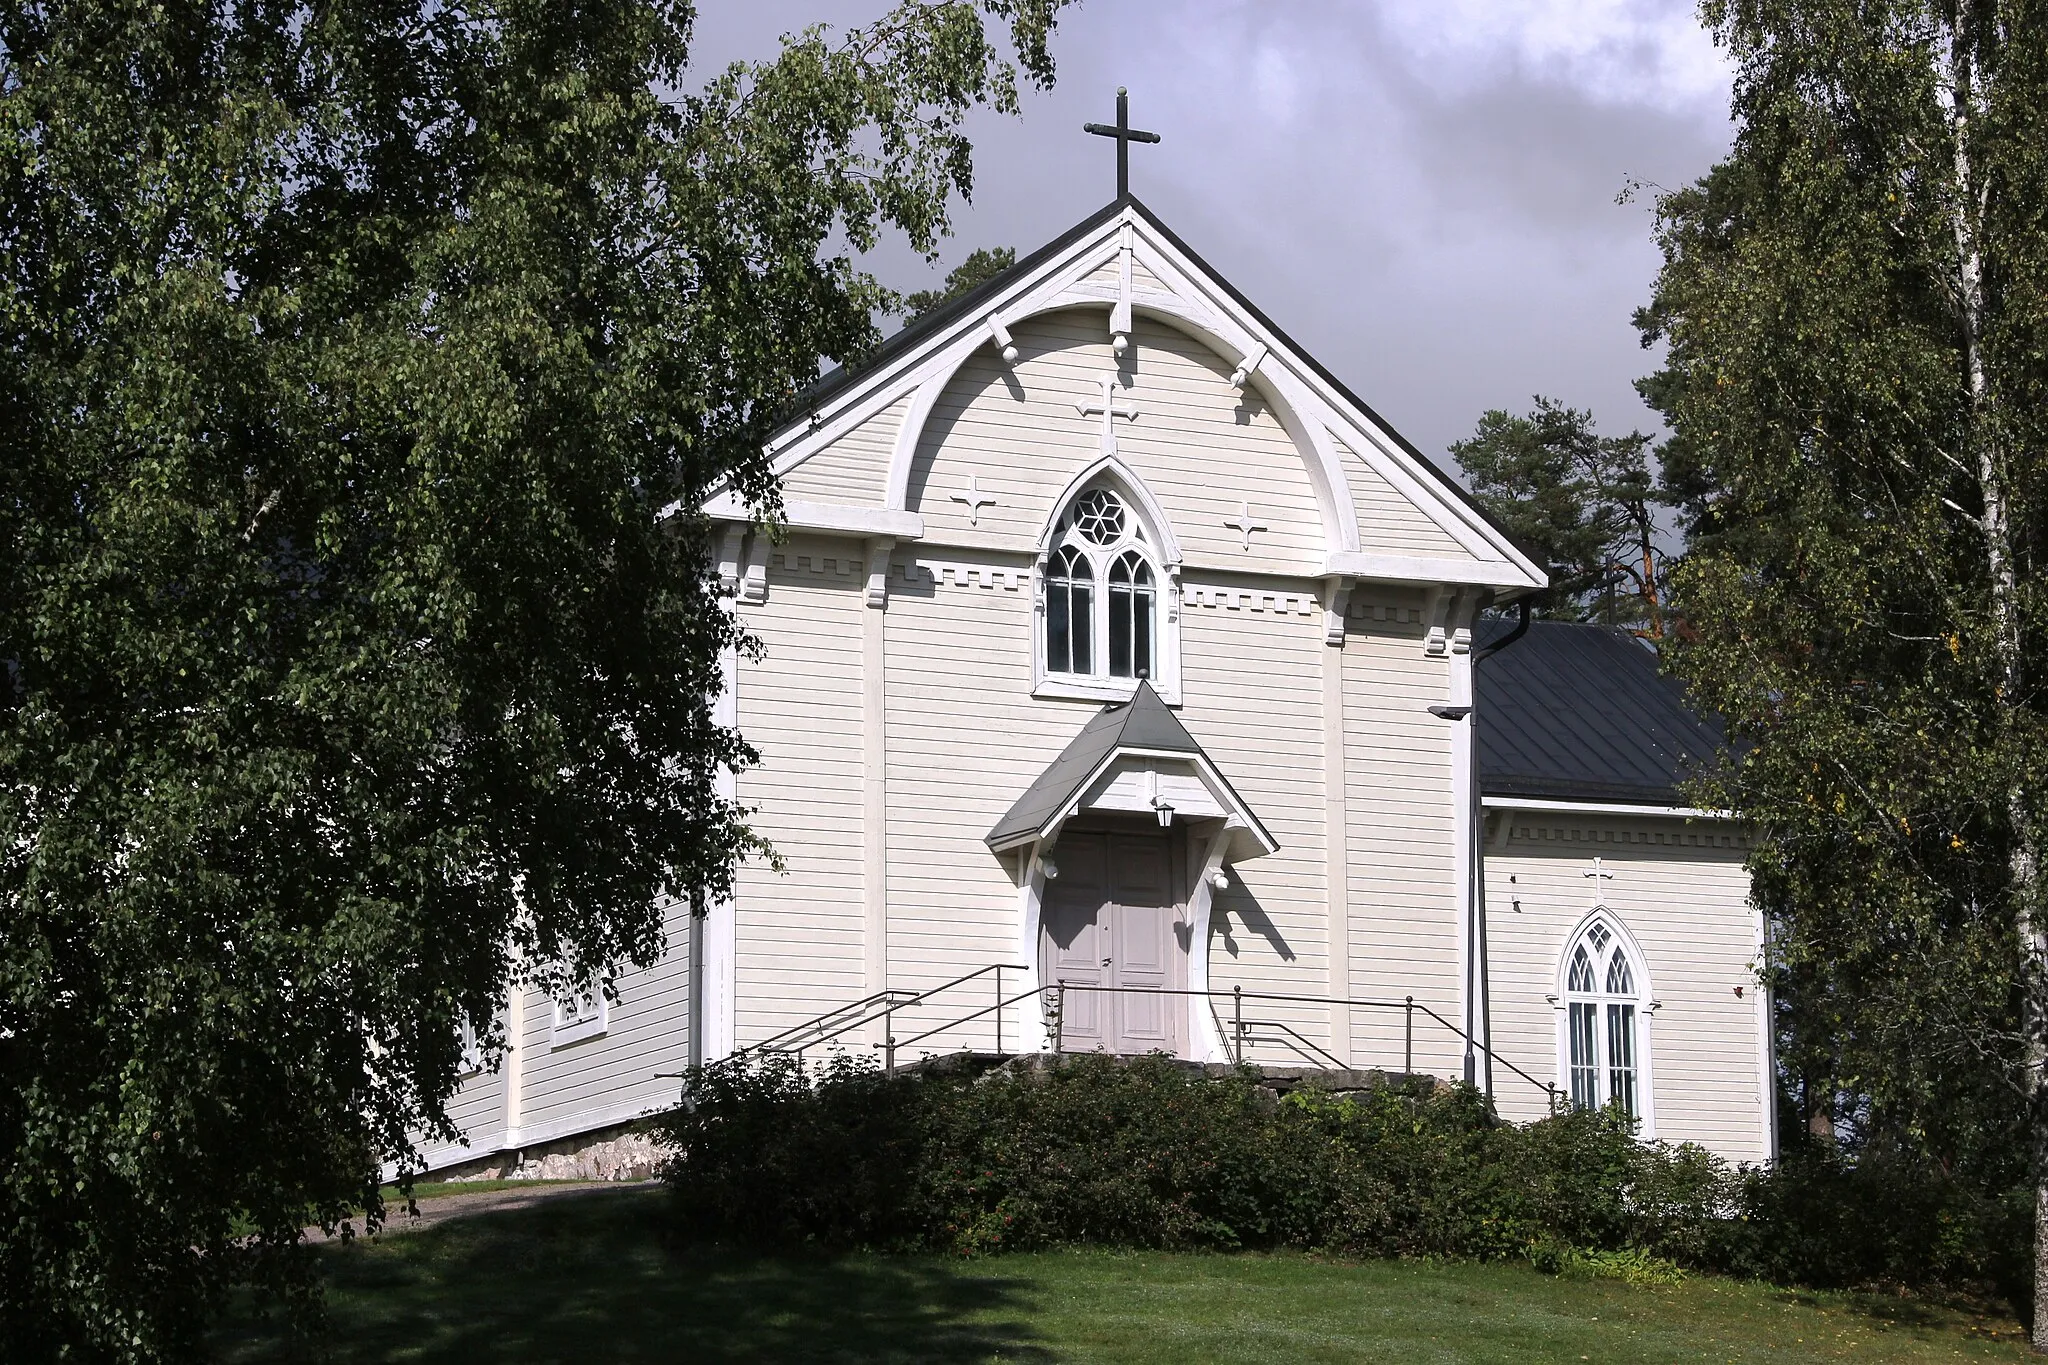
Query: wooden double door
[[1115, 917]]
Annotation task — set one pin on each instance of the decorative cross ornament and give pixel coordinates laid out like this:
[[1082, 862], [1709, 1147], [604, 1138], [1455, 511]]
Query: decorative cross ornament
[[1111, 407], [1244, 524], [1598, 869], [1125, 135], [975, 500]]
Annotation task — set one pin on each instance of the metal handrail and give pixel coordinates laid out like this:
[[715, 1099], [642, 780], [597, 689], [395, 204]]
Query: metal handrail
[[1238, 995], [774, 1042], [884, 1005]]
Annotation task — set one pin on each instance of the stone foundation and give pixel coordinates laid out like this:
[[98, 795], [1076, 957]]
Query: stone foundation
[[620, 1153]]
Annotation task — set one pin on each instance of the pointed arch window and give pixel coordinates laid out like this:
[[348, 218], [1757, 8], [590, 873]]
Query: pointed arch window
[[1104, 615], [1603, 1022]]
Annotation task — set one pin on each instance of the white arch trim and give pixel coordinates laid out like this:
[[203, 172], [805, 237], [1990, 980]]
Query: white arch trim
[[1286, 398], [1646, 1052], [1115, 471]]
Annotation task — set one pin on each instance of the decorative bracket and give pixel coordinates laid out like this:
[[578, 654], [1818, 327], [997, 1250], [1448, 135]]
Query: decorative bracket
[[754, 582], [1004, 344], [879, 549], [1336, 603], [1248, 366], [1436, 606], [729, 559]]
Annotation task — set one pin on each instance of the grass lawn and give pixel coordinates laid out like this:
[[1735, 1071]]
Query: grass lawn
[[590, 1277]]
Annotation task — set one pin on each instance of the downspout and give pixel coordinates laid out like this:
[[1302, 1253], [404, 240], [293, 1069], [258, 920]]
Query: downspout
[[1478, 827]]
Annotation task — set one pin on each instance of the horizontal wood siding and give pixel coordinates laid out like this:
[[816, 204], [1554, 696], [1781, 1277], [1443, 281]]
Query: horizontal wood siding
[[478, 1112], [854, 469], [1400, 827], [1389, 524], [1204, 448], [798, 933], [1681, 890], [965, 738], [1253, 687], [648, 1034]]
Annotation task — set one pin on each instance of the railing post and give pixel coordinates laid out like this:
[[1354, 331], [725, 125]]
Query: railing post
[[1059, 1018], [1237, 1020], [999, 1009], [889, 1041], [1408, 1038]]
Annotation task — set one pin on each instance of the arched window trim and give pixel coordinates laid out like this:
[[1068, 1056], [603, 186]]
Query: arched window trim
[[1630, 952], [1152, 540]]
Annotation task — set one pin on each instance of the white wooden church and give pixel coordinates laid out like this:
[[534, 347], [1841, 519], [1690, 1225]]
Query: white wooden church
[[1125, 687]]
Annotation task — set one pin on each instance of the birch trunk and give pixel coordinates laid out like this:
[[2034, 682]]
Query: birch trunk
[[2023, 862]]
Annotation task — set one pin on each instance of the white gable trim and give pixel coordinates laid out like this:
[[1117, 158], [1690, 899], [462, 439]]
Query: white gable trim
[[1312, 410]]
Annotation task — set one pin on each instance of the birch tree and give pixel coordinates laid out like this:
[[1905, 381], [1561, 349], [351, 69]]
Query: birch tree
[[1856, 306], [351, 675]]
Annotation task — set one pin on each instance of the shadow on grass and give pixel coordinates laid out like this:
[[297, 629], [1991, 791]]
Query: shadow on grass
[[575, 1275]]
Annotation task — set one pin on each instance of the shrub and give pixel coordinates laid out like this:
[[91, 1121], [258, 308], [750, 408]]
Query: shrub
[[1150, 1153]]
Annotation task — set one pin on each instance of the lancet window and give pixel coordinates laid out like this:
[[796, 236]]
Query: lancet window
[[1102, 594], [1604, 1060]]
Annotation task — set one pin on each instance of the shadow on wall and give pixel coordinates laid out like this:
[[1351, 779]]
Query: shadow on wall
[[559, 1280], [1238, 908]]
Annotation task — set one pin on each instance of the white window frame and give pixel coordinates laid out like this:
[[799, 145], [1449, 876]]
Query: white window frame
[[1145, 533], [1624, 944], [585, 1012], [471, 1062]]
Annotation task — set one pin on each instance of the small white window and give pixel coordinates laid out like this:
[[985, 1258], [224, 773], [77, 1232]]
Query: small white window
[[580, 1013], [472, 1052], [1105, 608], [1604, 1053]]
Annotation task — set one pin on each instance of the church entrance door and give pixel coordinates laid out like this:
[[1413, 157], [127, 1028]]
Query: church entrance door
[[1114, 918]]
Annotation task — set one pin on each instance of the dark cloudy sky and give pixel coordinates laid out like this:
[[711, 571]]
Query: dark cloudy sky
[[1421, 192]]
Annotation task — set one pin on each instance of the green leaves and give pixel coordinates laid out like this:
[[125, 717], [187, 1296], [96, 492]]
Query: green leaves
[[363, 366], [1855, 500], [1583, 502]]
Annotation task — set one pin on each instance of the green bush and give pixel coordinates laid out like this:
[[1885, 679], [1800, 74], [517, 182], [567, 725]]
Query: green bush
[[1149, 1153]]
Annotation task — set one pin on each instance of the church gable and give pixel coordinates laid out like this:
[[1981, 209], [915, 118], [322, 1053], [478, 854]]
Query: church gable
[[1004, 441], [1388, 522], [979, 412]]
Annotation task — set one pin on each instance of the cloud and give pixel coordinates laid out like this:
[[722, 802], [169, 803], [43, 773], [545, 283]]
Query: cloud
[[1420, 191]]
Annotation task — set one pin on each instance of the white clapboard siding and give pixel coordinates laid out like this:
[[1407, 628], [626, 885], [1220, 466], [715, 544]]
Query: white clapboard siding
[[1401, 834], [1681, 890], [1252, 683], [798, 933], [1204, 448], [478, 1113], [628, 1069], [965, 738], [853, 470], [1388, 523]]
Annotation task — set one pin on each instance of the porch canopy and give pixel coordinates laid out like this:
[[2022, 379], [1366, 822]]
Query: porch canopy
[[1133, 757]]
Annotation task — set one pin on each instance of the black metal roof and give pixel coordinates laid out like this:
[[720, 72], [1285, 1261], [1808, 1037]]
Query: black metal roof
[[1143, 723], [1581, 713]]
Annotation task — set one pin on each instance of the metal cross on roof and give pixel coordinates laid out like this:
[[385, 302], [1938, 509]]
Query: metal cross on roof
[[1125, 135]]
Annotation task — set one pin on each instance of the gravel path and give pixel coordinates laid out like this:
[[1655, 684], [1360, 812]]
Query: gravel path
[[441, 1208]]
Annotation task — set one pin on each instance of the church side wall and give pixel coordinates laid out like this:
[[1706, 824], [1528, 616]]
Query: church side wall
[[1401, 835], [798, 933], [1253, 684], [964, 737], [478, 1111], [614, 1076], [1681, 890]]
